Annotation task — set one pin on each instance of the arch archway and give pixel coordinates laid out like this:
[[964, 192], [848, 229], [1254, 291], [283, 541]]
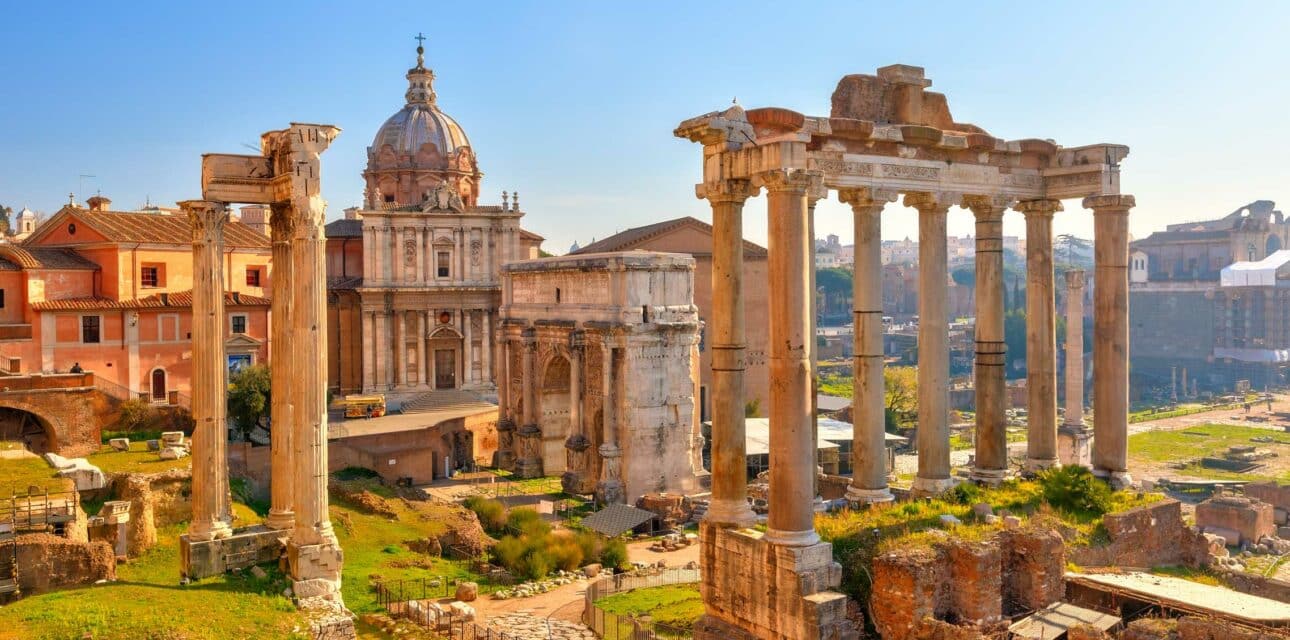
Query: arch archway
[[28, 428], [157, 382], [553, 416]]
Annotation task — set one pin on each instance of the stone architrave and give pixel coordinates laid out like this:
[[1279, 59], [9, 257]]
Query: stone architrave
[[868, 406], [729, 503], [281, 374], [991, 461], [1111, 336], [933, 342], [1073, 435], [212, 515], [1041, 335], [792, 438]]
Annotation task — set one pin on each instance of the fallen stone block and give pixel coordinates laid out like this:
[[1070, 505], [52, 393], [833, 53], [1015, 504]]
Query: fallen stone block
[[120, 444], [86, 476], [56, 461], [592, 570], [258, 572], [173, 453], [462, 611], [172, 438], [982, 509], [1230, 537], [154, 445], [947, 519], [467, 592]]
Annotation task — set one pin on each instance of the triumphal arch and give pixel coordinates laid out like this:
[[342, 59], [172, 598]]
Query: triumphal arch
[[287, 178], [887, 136]]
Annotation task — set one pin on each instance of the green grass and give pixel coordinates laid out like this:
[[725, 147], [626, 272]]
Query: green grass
[[676, 606], [137, 460], [16, 474], [1148, 415], [1207, 440], [1203, 576]]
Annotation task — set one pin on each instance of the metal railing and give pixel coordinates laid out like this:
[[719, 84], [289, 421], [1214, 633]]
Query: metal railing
[[615, 627]]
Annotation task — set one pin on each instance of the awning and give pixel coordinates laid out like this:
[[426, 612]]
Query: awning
[[616, 519], [1262, 273]]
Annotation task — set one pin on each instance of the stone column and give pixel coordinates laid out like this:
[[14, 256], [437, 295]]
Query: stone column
[[1041, 335], [1073, 436], [933, 343], [422, 379], [990, 384], [729, 504], [576, 479], [313, 555], [369, 350], [400, 347], [486, 346], [212, 513], [1111, 336], [505, 406], [792, 452], [467, 348], [529, 464], [282, 492], [610, 489], [868, 405]]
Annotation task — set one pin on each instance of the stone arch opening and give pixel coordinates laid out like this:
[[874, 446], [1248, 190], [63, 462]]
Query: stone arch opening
[[553, 405], [22, 426]]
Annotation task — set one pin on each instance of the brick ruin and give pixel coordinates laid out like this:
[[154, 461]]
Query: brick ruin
[[50, 562]]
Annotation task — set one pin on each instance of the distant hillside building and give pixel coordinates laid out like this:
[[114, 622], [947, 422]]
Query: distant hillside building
[[1210, 304]]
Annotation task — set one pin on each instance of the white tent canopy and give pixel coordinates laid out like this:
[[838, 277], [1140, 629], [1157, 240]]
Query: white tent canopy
[[1255, 274]]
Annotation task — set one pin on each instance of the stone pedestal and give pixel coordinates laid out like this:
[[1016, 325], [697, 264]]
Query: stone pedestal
[[506, 444], [577, 479], [755, 589], [529, 464], [610, 489], [1074, 445]]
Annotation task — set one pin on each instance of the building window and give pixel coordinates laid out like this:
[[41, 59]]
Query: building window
[[239, 323], [90, 329], [557, 295], [253, 276], [1, 298], [389, 197], [443, 259], [148, 276]]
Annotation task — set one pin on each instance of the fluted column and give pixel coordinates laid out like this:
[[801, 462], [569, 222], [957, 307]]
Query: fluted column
[[422, 378], [610, 489], [467, 348], [210, 492], [369, 350], [729, 504], [576, 479], [991, 458], [529, 464], [868, 405], [792, 436], [486, 348], [1041, 335], [282, 492], [1111, 336], [400, 347], [933, 343]]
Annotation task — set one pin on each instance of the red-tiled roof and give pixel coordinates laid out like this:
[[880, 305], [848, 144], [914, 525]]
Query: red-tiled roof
[[632, 238], [175, 300], [158, 228], [529, 235], [14, 257]]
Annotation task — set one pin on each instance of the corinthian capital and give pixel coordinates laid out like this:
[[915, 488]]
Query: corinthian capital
[[802, 181], [208, 219], [733, 190], [932, 201], [859, 197], [1110, 204], [281, 225], [1039, 207]]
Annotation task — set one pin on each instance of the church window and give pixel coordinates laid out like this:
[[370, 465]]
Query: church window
[[90, 329], [442, 261]]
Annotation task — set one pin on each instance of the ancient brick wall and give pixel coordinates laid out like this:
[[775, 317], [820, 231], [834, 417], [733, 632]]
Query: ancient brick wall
[[908, 586], [1270, 492], [71, 415], [47, 562], [976, 573], [1034, 566], [1227, 516], [1147, 536]]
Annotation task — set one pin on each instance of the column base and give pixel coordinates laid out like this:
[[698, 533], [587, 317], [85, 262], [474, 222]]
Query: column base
[[991, 477], [610, 491], [1118, 480], [857, 496], [1074, 445], [792, 538], [315, 570], [280, 520], [204, 532], [1035, 465], [924, 487], [576, 482], [528, 468], [506, 460], [735, 513]]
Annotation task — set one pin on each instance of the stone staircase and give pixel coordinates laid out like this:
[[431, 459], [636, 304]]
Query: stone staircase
[[446, 400]]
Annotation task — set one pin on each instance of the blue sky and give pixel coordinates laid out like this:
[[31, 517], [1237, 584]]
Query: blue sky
[[573, 103]]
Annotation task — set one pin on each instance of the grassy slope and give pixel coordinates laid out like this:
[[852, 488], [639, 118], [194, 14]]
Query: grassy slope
[[16, 474], [137, 460], [674, 605], [1201, 441]]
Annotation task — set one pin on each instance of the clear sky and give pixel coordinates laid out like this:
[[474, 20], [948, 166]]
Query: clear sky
[[573, 103]]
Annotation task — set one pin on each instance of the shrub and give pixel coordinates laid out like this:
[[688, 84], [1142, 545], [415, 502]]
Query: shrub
[[491, 513], [137, 415], [614, 554], [528, 522], [965, 493], [1075, 489]]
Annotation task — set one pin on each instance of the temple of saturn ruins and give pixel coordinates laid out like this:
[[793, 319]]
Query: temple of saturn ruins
[[285, 177], [886, 136]]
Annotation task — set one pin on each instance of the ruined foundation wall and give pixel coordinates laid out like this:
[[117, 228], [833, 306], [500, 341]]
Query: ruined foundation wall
[[47, 562], [1148, 536], [156, 500]]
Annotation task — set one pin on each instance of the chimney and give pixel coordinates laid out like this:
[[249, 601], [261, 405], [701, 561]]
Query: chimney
[[99, 203]]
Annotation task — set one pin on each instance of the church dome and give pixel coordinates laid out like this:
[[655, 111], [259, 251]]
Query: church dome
[[417, 124]]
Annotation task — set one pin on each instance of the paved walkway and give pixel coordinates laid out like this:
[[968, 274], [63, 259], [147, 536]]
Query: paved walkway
[[526, 626]]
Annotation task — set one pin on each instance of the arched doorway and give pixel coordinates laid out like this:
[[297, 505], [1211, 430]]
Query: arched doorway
[[27, 428], [554, 416], [158, 385], [444, 347]]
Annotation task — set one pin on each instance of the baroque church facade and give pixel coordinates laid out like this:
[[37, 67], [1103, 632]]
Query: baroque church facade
[[414, 273]]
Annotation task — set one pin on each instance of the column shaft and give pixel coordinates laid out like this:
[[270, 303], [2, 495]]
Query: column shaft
[[210, 491], [1111, 335], [529, 464], [467, 348], [1041, 335], [991, 350], [1075, 350], [369, 350], [486, 348], [610, 490], [400, 347], [420, 338], [729, 504], [792, 453], [282, 478], [868, 405], [933, 345]]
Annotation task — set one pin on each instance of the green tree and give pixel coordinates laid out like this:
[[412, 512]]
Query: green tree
[[964, 276], [900, 395], [5, 225], [1073, 247], [1014, 337], [248, 398], [835, 284]]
